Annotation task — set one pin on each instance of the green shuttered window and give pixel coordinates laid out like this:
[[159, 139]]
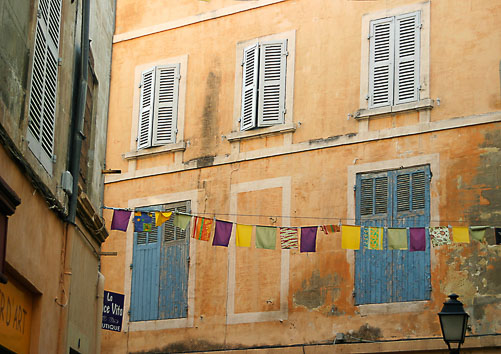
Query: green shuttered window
[[397, 198]]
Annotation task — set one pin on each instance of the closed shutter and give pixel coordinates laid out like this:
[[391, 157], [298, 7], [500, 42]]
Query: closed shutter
[[407, 46], [173, 295], [381, 61], [272, 70], [42, 106], [249, 87], [166, 102], [146, 109], [398, 198]]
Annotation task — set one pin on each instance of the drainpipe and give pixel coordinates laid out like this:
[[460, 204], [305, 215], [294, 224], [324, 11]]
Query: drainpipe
[[77, 134]]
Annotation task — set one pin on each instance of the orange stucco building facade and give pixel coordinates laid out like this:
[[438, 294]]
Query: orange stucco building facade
[[336, 95]]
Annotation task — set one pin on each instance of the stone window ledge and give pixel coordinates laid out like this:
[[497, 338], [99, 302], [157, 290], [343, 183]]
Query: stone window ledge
[[412, 106], [181, 146], [259, 132]]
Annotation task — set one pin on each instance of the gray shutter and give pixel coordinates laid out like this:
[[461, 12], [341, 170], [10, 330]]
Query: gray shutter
[[272, 70], [146, 109], [43, 92], [407, 38], [381, 61], [249, 87], [373, 195], [165, 107]]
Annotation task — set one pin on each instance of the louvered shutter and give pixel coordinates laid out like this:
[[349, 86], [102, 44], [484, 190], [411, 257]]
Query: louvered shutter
[[381, 61], [42, 106], [407, 38], [146, 109], [249, 87], [272, 70], [373, 195], [411, 191], [165, 107]]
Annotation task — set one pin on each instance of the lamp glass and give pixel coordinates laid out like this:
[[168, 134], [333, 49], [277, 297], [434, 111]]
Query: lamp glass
[[453, 327]]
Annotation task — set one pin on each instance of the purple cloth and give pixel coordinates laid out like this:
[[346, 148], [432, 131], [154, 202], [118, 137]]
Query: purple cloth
[[120, 220], [308, 239], [417, 239], [222, 234]]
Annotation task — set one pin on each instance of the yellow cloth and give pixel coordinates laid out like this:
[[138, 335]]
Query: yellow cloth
[[460, 234], [243, 235], [161, 217], [350, 239]]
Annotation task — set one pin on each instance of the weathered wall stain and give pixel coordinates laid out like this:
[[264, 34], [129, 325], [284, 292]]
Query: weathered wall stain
[[315, 291], [210, 121], [365, 332]]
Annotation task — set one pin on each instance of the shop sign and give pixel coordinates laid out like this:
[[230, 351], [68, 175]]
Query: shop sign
[[113, 308]]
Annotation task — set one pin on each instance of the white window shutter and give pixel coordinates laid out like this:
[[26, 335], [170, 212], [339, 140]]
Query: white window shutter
[[381, 61], [249, 87], [165, 107], [272, 71], [43, 92], [146, 109], [407, 37]]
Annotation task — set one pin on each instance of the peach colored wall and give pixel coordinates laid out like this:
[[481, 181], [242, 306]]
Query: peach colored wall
[[465, 48]]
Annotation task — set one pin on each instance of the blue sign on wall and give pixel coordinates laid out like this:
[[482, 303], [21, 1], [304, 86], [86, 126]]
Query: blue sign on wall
[[113, 309]]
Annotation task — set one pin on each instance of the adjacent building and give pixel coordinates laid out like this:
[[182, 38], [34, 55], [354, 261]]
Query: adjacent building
[[53, 118], [304, 113]]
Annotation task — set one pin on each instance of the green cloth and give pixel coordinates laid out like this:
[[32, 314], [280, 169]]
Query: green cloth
[[397, 239], [478, 233], [182, 221], [266, 237]]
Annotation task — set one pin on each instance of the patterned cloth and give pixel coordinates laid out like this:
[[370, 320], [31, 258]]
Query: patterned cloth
[[330, 228], [372, 238], [288, 238], [202, 228], [439, 236], [308, 239], [142, 221]]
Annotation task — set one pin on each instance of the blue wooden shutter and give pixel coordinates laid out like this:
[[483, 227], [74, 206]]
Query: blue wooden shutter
[[393, 275], [173, 294], [411, 270], [145, 273], [272, 70]]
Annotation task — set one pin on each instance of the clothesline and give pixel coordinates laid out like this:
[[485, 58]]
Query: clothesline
[[214, 214]]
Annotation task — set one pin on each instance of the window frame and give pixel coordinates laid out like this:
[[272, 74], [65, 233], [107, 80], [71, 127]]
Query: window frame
[[424, 101], [287, 124]]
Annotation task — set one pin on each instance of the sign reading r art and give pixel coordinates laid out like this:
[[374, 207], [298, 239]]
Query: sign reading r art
[[113, 310], [15, 317]]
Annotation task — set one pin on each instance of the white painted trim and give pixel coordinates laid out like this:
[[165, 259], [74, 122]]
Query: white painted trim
[[349, 139], [206, 16], [161, 324], [251, 317]]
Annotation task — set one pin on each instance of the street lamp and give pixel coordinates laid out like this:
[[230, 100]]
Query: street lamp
[[453, 320]]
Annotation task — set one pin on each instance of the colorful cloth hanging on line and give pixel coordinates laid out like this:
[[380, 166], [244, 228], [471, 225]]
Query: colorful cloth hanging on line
[[330, 228], [142, 221], [120, 220], [222, 233], [202, 228], [350, 237], [266, 237], [243, 235], [439, 236], [308, 239], [397, 239], [372, 237], [161, 217], [417, 239], [182, 221], [288, 238], [460, 235]]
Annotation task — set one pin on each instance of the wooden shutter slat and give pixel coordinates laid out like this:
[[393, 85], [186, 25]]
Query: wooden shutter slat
[[53, 23], [166, 98], [249, 87], [407, 45], [403, 192], [272, 71], [381, 63], [146, 108], [381, 195], [418, 190], [367, 197]]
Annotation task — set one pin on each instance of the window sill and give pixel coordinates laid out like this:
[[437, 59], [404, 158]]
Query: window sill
[[181, 146], [392, 308], [259, 132], [412, 106]]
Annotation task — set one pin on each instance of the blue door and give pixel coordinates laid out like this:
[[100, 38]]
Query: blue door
[[399, 198]]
